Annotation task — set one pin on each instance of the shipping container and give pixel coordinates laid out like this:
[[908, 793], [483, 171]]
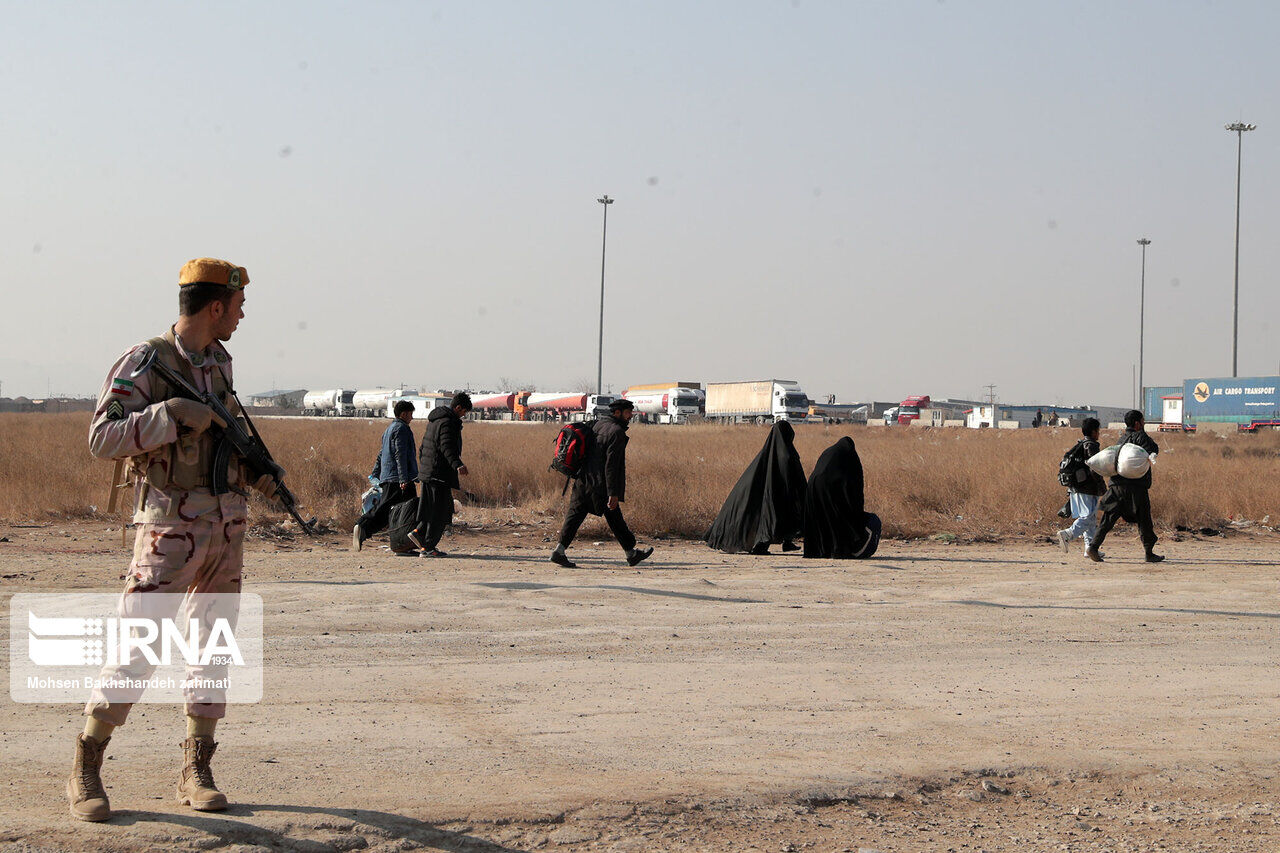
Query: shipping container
[[1249, 402], [1153, 401]]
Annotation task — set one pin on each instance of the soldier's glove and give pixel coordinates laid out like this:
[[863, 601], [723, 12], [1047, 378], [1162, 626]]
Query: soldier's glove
[[192, 415], [266, 486]]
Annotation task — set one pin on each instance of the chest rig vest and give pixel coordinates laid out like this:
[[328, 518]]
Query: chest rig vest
[[186, 463]]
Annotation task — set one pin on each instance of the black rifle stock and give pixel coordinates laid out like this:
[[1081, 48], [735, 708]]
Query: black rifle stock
[[232, 438]]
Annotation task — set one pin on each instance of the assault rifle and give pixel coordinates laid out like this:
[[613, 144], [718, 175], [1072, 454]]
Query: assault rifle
[[228, 439]]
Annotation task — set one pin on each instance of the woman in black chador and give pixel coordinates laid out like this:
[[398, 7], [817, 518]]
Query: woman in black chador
[[835, 523], [767, 505]]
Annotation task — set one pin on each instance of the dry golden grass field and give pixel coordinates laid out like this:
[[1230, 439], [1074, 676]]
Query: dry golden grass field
[[976, 485]]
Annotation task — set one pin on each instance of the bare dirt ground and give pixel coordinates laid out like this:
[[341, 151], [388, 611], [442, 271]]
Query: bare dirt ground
[[936, 697]]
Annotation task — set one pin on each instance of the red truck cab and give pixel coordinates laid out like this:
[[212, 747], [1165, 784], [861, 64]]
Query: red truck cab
[[909, 409]]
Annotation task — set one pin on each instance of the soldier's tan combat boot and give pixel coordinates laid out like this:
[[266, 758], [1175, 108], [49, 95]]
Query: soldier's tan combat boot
[[84, 788], [196, 789]]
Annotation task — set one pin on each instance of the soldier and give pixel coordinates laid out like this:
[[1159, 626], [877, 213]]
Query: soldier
[[188, 539]]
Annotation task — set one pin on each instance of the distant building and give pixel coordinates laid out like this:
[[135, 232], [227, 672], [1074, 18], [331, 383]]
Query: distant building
[[278, 399], [1006, 416]]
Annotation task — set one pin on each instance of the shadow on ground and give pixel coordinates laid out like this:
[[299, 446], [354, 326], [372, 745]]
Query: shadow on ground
[[229, 828]]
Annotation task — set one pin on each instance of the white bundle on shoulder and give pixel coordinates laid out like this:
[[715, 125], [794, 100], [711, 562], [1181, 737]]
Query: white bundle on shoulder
[[1132, 461], [1104, 461], [1124, 460]]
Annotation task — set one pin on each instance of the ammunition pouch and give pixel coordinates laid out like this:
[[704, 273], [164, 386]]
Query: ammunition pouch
[[193, 461]]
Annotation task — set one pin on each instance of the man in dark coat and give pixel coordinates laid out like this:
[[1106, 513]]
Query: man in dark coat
[[836, 523], [602, 487], [439, 465], [1129, 498], [395, 471], [767, 504]]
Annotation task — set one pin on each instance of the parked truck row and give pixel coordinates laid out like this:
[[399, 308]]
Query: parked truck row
[[675, 402]]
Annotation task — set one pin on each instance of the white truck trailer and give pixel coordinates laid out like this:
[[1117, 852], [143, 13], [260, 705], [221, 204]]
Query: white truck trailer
[[760, 401], [673, 405]]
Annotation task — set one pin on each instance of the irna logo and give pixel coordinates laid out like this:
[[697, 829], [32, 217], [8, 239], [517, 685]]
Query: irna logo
[[62, 641]]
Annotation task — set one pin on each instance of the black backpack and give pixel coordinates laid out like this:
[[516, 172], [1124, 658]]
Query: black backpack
[[1073, 471], [572, 444]]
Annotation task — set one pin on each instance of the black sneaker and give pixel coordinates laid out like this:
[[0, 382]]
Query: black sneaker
[[434, 552], [790, 546], [638, 555], [1153, 557], [1093, 554], [562, 559]]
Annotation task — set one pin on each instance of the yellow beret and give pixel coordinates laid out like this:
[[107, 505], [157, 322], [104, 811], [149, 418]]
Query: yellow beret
[[213, 271]]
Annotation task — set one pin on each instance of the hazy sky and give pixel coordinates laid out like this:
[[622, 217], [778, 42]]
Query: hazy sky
[[874, 198]]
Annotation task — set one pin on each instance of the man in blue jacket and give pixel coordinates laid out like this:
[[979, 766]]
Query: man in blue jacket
[[396, 471]]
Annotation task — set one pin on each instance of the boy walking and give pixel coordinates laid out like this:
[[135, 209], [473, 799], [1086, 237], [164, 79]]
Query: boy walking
[[395, 470], [1083, 490]]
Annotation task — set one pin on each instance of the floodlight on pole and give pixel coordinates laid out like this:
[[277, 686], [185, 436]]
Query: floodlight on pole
[[604, 237], [1142, 312], [1238, 128]]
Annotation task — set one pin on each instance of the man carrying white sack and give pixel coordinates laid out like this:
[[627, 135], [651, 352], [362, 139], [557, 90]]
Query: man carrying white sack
[[1129, 497]]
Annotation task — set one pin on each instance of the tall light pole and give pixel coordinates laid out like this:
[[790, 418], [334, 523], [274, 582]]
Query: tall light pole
[[1239, 128], [604, 238], [1142, 316]]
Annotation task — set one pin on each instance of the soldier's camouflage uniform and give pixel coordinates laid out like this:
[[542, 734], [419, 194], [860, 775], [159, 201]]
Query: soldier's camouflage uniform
[[188, 540]]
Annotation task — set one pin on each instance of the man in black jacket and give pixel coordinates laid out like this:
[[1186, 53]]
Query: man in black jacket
[[603, 486], [439, 464], [1129, 498]]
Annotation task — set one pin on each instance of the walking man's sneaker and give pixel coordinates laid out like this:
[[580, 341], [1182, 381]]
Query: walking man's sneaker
[[434, 552], [560, 558], [1064, 541], [357, 540], [196, 787], [1153, 557], [412, 536], [84, 788], [1093, 554], [638, 554]]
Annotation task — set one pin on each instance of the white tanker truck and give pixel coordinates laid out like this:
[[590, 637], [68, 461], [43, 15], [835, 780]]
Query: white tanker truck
[[332, 403], [422, 403], [671, 405]]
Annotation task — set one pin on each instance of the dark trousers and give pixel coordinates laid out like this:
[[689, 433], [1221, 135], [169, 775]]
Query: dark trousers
[[578, 512], [375, 520], [435, 513], [1131, 503]]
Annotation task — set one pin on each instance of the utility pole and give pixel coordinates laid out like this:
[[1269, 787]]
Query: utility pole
[[1142, 312], [1238, 128], [991, 402], [604, 238]]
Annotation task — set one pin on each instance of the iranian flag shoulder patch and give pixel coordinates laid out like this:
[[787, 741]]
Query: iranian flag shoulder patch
[[122, 387]]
